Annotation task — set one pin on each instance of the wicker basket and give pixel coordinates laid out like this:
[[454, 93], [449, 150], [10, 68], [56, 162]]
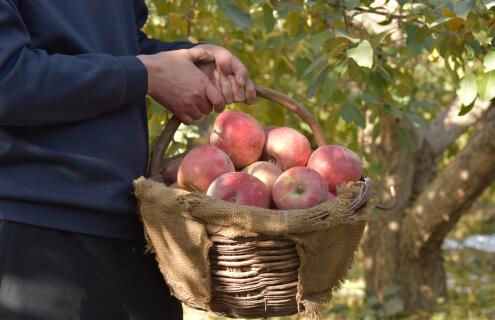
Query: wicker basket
[[255, 277]]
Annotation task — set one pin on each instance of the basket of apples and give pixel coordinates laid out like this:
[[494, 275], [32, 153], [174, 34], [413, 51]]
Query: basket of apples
[[256, 223]]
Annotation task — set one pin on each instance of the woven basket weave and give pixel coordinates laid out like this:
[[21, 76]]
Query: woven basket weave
[[257, 275]]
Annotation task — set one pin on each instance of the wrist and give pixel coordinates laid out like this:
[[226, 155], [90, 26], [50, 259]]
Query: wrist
[[148, 64]]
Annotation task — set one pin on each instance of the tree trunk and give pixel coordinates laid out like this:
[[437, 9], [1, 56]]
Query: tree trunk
[[402, 248], [421, 280]]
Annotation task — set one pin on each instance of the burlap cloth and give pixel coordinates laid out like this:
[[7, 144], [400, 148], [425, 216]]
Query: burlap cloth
[[177, 223]]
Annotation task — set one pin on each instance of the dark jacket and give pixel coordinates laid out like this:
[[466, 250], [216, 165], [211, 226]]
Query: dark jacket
[[73, 125]]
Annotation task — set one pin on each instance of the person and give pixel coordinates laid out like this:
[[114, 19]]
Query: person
[[73, 137]]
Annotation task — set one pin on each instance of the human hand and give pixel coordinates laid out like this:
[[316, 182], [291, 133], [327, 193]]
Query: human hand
[[176, 83], [229, 75]]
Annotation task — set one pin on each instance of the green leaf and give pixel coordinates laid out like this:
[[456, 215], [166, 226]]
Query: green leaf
[[268, 18], [350, 113], [362, 54], [394, 306], [466, 108], [342, 34], [318, 39], [416, 119], [316, 82], [486, 86], [375, 132], [404, 138], [351, 4], [489, 61], [462, 8], [293, 23], [301, 65], [489, 4], [234, 13], [468, 89], [328, 87], [313, 66]]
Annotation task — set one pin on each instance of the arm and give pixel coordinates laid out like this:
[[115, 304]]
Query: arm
[[37, 88], [151, 46]]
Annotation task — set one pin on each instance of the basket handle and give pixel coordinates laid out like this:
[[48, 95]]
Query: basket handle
[[173, 124]]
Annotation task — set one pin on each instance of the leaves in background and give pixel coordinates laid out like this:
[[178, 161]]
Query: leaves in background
[[468, 89], [362, 54], [489, 61], [486, 86], [234, 13], [350, 113]]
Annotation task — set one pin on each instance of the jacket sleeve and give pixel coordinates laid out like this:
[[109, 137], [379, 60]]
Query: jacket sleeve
[[151, 46], [39, 88]]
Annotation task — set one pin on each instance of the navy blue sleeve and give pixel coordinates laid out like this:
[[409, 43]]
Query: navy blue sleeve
[[38, 88], [151, 46]]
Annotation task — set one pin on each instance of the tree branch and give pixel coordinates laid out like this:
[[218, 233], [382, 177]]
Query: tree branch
[[448, 125], [441, 204]]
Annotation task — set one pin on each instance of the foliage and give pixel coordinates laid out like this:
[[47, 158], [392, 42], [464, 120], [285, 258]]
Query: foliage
[[350, 61]]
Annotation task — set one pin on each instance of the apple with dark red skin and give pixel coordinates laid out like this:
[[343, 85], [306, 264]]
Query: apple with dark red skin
[[240, 188], [240, 136], [287, 147], [201, 166], [171, 168], [265, 171], [337, 164], [299, 188]]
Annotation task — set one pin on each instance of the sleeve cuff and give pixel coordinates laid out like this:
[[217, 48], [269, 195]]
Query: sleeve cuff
[[136, 79]]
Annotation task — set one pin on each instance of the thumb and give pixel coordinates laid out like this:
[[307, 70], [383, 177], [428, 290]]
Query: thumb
[[198, 54]]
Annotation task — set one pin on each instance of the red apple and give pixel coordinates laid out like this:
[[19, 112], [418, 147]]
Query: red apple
[[171, 168], [240, 136], [330, 196], [264, 155], [337, 164], [240, 188], [201, 166], [299, 188], [265, 171], [287, 147]]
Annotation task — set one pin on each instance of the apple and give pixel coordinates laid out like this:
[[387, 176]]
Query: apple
[[331, 196], [264, 155], [170, 169], [240, 136], [240, 188], [287, 147], [265, 171], [299, 188], [337, 164], [201, 166]]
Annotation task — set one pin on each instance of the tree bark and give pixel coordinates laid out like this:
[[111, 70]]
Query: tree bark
[[403, 247]]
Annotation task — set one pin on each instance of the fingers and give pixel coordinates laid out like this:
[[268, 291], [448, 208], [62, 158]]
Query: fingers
[[215, 97], [250, 92], [239, 70], [238, 91], [185, 118], [227, 91], [230, 65], [199, 54]]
